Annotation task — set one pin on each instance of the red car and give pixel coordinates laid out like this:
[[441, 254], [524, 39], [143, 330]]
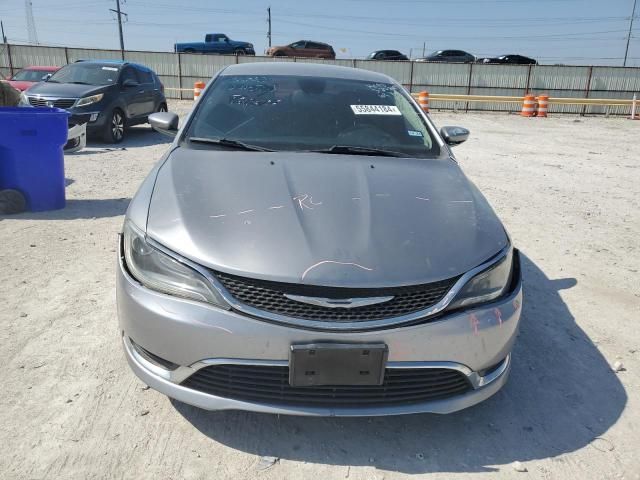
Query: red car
[[29, 76]]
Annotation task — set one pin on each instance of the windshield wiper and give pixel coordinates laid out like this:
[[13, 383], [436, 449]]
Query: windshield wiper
[[81, 83], [353, 150], [227, 142]]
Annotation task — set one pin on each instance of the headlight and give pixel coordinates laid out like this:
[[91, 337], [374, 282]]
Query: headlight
[[487, 285], [158, 271], [83, 102]]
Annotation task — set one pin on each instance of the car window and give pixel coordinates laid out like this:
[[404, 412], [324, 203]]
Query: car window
[[316, 46], [298, 44], [129, 73], [29, 75], [283, 112], [144, 76], [87, 73]]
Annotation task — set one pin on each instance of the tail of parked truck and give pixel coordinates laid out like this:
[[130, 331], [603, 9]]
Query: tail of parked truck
[[216, 43]]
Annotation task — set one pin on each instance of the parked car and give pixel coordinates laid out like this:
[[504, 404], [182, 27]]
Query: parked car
[[450, 56], [310, 246], [29, 76], [217, 43], [107, 95], [303, 48], [509, 59], [387, 55]]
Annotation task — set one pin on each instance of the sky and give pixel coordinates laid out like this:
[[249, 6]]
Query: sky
[[580, 32]]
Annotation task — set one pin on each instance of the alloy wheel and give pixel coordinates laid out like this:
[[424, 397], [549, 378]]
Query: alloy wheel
[[117, 126]]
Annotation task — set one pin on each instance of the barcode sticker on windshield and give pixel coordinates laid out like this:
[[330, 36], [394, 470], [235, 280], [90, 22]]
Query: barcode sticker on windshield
[[375, 110], [111, 69]]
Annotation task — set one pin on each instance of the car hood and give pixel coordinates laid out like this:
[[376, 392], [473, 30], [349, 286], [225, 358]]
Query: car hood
[[64, 90], [21, 85], [334, 220]]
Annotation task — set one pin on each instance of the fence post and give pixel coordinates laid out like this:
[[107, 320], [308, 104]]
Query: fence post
[[526, 89], [66, 55], [180, 74], [353, 61], [411, 77], [587, 90], [466, 108], [10, 60]]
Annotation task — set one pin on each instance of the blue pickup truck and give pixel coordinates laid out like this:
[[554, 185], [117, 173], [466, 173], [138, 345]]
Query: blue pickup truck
[[217, 43]]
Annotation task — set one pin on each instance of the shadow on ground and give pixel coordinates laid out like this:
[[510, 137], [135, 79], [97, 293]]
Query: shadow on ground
[[561, 395], [77, 209], [138, 136]]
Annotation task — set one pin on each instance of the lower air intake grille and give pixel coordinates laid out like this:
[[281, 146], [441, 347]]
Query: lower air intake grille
[[270, 297], [270, 384]]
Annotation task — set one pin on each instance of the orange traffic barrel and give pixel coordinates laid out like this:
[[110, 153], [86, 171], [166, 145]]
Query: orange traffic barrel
[[423, 101], [528, 106], [543, 105], [197, 89]]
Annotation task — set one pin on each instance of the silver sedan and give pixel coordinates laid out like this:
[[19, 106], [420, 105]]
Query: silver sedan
[[309, 245]]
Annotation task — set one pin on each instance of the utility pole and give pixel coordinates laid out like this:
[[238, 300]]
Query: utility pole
[[120, 13], [31, 24], [424, 49], [4, 37], [269, 22], [626, 52]]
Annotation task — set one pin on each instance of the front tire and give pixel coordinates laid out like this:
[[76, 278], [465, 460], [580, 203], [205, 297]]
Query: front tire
[[240, 51], [115, 127]]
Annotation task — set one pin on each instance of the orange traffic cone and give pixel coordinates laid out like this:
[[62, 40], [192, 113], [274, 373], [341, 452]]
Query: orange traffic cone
[[528, 106], [543, 105], [423, 101], [197, 89]]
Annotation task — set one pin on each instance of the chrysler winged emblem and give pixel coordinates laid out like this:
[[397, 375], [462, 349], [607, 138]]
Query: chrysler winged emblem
[[339, 302]]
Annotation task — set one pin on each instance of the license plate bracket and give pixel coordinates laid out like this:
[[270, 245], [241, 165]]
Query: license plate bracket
[[337, 364]]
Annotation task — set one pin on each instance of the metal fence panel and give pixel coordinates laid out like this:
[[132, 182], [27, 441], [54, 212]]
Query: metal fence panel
[[555, 77], [161, 63], [500, 76], [25, 55], [430, 75], [400, 71], [204, 66], [181, 71], [5, 71], [615, 79], [76, 54]]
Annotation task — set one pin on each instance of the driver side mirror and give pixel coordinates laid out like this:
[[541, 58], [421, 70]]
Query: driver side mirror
[[454, 135], [165, 123], [129, 82], [46, 77]]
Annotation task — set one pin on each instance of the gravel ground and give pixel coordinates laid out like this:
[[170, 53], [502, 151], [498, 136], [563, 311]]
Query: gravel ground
[[567, 190]]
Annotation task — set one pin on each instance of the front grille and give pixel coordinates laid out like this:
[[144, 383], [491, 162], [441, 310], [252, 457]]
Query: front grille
[[57, 102], [270, 384], [269, 297]]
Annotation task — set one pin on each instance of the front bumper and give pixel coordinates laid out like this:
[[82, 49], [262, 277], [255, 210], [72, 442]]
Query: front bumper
[[193, 335]]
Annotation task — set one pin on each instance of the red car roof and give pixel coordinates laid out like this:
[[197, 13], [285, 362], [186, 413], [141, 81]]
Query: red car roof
[[43, 68]]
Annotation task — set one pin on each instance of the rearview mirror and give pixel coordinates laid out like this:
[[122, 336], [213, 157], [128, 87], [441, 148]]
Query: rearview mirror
[[165, 123], [129, 82], [454, 135]]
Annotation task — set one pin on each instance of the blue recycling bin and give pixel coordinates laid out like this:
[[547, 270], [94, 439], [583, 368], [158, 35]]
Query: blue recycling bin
[[31, 154]]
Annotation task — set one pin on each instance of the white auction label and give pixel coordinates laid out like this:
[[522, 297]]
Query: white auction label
[[375, 110]]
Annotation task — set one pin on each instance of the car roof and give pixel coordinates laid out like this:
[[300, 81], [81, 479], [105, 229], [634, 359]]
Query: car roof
[[115, 62], [41, 67], [306, 70], [312, 41]]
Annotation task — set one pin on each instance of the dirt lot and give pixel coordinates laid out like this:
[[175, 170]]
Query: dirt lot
[[568, 191]]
